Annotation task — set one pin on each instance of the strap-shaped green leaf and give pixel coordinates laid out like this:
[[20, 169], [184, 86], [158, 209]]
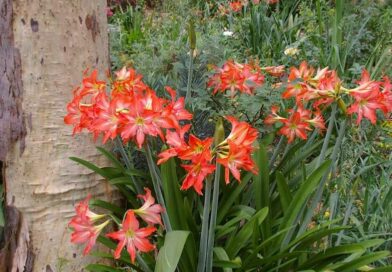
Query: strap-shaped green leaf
[[170, 253], [245, 233], [301, 196]]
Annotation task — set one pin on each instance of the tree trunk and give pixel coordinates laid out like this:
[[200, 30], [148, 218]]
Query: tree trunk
[[44, 47]]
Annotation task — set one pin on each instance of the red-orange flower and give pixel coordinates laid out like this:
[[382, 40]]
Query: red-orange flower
[[234, 153], [275, 71], [176, 142], [236, 77], [91, 85], [137, 126], [304, 72], [241, 133], [149, 212], [197, 172], [298, 123], [109, 116], [294, 126], [84, 230], [132, 237], [197, 148], [238, 157], [368, 99], [127, 82], [235, 6]]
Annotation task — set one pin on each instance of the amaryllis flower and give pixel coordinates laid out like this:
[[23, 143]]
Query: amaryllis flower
[[85, 232], [81, 110], [149, 212], [235, 6], [138, 126], [366, 105], [317, 121], [274, 116], [294, 126], [234, 153], [368, 99], [323, 88], [298, 123], [127, 82], [275, 71], [109, 116], [174, 111], [91, 84], [176, 142], [304, 72], [83, 225], [386, 94], [197, 172], [132, 237], [197, 148], [74, 115], [295, 89], [237, 158], [236, 77], [241, 133]]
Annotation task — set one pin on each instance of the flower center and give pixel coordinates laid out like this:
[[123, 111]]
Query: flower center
[[139, 121], [130, 233]]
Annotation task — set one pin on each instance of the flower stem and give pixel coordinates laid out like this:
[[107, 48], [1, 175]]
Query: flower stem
[[190, 74], [204, 227], [327, 136], [128, 163], [214, 211], [318, 194], [276, 152], [143, 264], [156, 181]]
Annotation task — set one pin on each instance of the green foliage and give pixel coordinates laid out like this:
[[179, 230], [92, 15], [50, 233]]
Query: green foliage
[[249, 236]]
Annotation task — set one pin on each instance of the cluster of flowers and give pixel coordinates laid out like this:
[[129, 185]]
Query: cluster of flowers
[[234, 153], [234, 77], [129, 235], [236, 6], [133, 110], [298, 123], [323, 88]]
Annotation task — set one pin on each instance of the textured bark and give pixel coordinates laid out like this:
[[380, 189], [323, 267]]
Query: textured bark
[[56, 41], [12, 126]]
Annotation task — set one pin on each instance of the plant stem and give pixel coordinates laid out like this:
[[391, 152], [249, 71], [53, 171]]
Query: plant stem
[[190, 74], [316, 199], [156, 181], [143, 264], [327, 136], [276, 152], [214, 211], [128, 163], [204, 228]]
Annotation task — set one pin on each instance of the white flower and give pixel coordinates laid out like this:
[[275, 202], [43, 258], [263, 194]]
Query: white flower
[[291, 51], [228, 33]]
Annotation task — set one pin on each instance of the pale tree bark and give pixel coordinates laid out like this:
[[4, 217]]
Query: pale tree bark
[[44, 49]]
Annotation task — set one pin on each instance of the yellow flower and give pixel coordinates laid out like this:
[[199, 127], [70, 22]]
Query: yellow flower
[[327, 214]]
